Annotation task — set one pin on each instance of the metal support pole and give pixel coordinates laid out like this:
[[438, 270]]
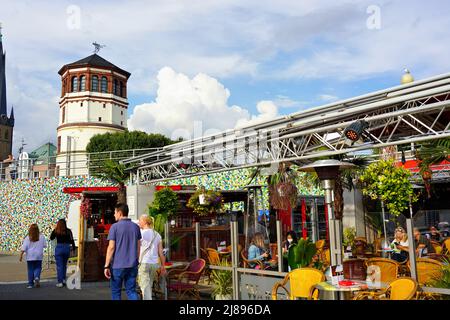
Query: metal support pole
[[197, 239], [167, 239], [234, 256], [412, 243], [386, 242], [279, 250]]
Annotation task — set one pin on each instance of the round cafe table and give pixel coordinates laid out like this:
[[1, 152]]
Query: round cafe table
[[329, 291]]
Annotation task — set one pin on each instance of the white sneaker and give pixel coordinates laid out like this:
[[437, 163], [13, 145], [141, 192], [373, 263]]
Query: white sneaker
[[59, 285], [29, 287]]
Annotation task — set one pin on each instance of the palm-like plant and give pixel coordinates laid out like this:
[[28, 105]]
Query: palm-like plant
[[116, 172], [431, 153]]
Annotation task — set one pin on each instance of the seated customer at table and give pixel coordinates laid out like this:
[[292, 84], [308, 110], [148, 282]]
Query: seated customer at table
[[400, 245], [434, 235], [423, 245], [257, 250]]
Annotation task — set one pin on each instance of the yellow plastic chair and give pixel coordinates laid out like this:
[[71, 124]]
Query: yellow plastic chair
[[446, 246], [437, 247], [301, 282], [388, 268], [400, 289]]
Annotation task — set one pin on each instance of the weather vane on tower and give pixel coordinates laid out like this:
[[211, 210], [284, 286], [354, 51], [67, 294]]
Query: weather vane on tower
[[97, 46]]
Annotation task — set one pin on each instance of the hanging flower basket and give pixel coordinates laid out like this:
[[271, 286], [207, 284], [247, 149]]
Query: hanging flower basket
[[212, 202]]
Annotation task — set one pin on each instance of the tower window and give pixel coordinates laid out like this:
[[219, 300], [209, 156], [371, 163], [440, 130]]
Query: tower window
[[99, 119], [83, 83], [74, 85], [104, 105], [94, 84], [63, 114], [59, 144], [81, 104], [115, 87], [6, 135], [121, 88], [121, 123], [121, 112], [104, 85]]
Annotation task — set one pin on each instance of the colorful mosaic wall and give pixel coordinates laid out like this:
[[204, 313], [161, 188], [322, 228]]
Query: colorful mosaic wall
[[41, 201], [238, 179]]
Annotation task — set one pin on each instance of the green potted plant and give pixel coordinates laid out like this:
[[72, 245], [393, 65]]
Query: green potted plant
[[223, 282], [301, 254], [349, 239], [211, 202], [442, 280]]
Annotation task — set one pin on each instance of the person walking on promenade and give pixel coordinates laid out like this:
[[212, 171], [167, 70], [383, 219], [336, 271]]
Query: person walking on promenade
[[121, 265], [64, 239], [33, 247], [151, 257]]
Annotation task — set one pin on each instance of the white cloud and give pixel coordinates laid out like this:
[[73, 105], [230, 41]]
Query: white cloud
[[191, 107], [327, 97]]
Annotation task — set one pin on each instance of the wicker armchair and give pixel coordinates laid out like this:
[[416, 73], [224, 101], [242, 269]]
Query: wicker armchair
[[427, 270], [301, 282], [399, 289], [388, 268], [185, 281]]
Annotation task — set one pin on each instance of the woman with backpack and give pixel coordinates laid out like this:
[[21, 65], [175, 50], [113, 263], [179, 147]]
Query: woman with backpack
[[64, 239]]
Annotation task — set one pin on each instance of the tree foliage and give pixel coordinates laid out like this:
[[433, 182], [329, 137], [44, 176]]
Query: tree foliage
[[384, 181], [126, 140]]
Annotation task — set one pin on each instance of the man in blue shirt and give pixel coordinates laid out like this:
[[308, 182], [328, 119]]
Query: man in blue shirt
[[122, 256]]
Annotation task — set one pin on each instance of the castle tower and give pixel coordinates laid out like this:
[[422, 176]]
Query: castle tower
[[6, 123], [93, 101]]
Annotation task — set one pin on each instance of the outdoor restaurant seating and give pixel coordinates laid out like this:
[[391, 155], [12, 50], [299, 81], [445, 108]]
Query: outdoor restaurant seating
[[360, 246], [185, 281], [301, 283], [437, 247], [320, 245], [388, 268], [246, 263], [399, 289], [446, 246], [427, 270], [213, 256], [377, 246]]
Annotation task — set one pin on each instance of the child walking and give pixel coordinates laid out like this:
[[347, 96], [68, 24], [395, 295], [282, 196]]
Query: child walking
[[33, 247]]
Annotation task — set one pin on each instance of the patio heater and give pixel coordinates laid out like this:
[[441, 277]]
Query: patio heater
[[328, 171]]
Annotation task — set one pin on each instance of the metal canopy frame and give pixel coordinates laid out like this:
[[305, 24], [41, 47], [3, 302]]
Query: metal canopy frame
[[404, 114]]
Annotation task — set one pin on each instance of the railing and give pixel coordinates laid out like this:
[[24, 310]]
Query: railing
[[64, 164]]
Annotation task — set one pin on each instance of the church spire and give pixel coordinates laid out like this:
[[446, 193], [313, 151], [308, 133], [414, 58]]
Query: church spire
[[2, 77]]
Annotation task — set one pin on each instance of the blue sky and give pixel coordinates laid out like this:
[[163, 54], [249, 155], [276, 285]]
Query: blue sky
[[223, 63]]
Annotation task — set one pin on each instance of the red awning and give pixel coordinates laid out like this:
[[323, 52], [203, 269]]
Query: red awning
[[89, 189], [174, 187]]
